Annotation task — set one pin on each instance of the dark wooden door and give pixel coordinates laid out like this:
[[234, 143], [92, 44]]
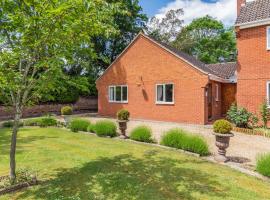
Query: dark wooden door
[[209, 100]]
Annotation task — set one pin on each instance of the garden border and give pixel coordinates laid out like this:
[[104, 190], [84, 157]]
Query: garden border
[[250, 132]]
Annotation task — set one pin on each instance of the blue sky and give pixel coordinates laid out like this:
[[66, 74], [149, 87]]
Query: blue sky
[[223, 10]]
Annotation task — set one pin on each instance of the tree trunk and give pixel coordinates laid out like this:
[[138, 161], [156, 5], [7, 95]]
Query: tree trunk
[[13, 145]]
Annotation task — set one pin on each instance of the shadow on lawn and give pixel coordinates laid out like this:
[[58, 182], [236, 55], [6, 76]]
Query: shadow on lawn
[[127, 177], [5, 136]]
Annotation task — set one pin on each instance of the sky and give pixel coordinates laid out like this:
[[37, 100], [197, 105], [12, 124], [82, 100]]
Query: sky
[[223, 10]]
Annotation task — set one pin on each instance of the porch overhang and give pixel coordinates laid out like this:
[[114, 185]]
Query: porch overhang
[[222, 80]]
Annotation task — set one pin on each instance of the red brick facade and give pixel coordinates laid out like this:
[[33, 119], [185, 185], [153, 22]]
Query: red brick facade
[[253, 67], [145, 64]]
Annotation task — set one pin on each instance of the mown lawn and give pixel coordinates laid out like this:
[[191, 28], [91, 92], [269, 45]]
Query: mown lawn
[[78, 166]]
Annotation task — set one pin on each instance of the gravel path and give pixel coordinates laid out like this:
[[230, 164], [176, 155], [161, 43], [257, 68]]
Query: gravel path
[[243, 148]]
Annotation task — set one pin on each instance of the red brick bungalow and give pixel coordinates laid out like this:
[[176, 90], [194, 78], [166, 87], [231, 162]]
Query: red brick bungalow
[[154, 81]]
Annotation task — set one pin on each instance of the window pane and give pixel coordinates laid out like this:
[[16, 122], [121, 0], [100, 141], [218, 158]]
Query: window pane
[[160, 93], [124, 93], [111, 93], [169, 92], [118, 93]]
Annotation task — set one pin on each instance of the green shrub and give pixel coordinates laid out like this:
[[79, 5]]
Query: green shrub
[[222, 126], [41, 121], [10, 123], [142, 134], [66, 110], [265, 113], [123, 114], [91, 128], [263, 164], [181, 139], [105, 128], [78, 124], [239, 116]]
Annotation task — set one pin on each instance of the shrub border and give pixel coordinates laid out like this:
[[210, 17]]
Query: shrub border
[[18, 186]]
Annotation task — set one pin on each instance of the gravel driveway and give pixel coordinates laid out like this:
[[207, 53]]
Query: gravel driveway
[[243, 148]]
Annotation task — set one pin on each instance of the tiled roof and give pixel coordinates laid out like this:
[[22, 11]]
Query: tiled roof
[[222, 70], [254, 11]]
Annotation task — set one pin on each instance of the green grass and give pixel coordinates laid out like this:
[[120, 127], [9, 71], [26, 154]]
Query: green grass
[[263, 164], [182, 139], [80, 166]]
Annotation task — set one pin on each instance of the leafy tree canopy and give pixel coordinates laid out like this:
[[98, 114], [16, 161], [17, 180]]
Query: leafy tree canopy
[[208, 40]]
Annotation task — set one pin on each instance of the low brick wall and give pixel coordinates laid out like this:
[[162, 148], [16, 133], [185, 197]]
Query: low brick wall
[[89, 104]]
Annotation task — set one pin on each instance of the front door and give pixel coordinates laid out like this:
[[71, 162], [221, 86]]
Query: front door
[[209, 101]]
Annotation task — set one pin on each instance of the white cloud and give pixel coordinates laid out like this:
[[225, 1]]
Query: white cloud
[[224, 10]]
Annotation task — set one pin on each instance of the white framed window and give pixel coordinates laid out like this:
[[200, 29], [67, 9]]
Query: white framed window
[[268, 93], [118, 94], [165, 93], [217, 92], [268, 38]]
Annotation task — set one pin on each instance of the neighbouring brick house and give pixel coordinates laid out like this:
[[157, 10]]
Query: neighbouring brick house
[[154, 81], [253, 44]]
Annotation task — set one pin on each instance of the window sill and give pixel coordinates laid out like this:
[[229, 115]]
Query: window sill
[[120, 102], [164, 103]]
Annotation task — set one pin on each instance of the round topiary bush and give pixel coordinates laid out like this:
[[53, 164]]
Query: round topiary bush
[[66, 110], [47, 121], [91, 128], [142, 134], [78, 124], [123, 114], [222, 126], [105, 128]]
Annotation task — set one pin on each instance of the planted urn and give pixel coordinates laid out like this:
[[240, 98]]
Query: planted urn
[[222, 131], [122, 119], [66, 112]]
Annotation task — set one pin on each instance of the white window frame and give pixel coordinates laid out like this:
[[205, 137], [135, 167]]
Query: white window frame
[[164, 97], [268, 37], [114, 101], [217, 92], [267, 93]]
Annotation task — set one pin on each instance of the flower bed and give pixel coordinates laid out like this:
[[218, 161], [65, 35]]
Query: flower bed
[[247, 131]]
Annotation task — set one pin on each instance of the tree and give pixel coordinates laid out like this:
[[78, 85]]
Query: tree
[[208, 40], [167, 28], [38, 38]]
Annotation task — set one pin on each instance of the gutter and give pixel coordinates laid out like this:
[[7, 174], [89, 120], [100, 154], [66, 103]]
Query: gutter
[[253, 24]]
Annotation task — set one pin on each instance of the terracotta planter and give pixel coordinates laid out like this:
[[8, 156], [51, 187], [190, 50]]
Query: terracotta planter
[[123, 127], [222, 142]]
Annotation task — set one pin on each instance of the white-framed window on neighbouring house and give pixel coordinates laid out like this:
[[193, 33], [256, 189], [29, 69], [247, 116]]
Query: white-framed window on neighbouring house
[[268, 93], [165, 93], [268, 38], [118, 94], [217, 92]]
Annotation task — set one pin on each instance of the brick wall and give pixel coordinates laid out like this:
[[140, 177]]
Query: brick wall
[[253, 67], [144, 65], [82, 105]]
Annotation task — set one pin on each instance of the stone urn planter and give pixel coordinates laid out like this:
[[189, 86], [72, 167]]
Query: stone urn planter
[[122, 119], [123, 127], [222, 142], [222, 133], [66, 113]]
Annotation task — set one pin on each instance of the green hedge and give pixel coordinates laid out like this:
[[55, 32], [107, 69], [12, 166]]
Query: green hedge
[[78, 124], [91, 128], [263, 164], [105, 128], [10, 123], [41, 121], [181, 139], [142, 134]]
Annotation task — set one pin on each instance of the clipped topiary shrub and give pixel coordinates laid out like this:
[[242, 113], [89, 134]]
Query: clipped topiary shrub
[[66, 110], [105, 128], [47, 121], [142, 134], [91, 128], [222, 126], [263, 164], [123, 114], [180, 139], [10, 123], [78, 124]]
